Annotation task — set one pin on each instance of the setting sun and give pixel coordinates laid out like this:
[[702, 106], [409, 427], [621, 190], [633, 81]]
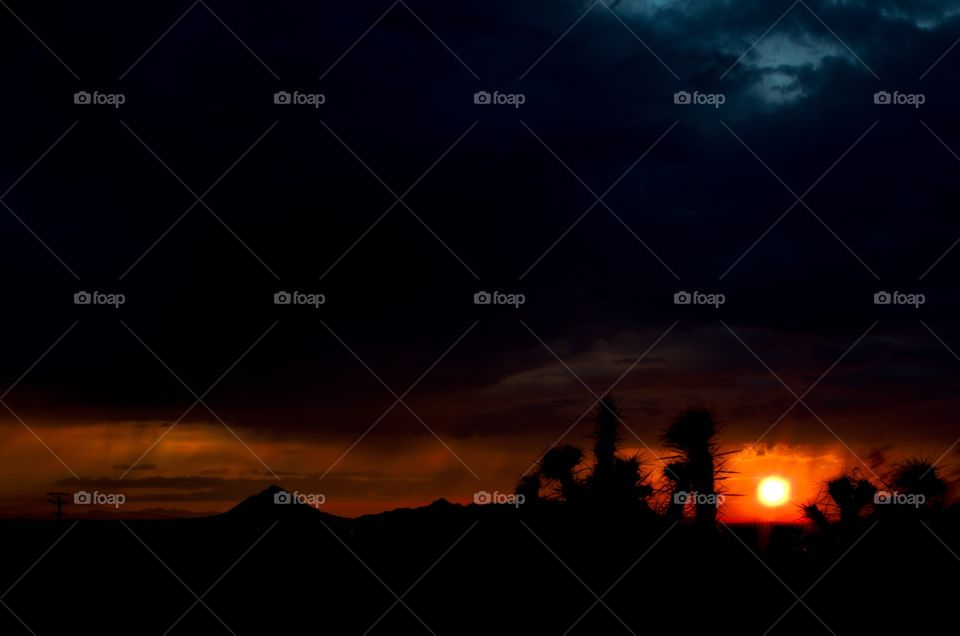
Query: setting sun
[[773, 491]]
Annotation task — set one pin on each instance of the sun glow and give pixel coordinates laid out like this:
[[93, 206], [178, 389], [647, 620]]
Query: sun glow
[[773, 491]]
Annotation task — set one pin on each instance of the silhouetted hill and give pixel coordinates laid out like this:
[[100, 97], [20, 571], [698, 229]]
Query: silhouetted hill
[[666, 578], [276, 503], [439, 508]]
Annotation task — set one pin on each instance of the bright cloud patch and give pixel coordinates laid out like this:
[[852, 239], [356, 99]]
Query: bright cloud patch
[[779, 59]]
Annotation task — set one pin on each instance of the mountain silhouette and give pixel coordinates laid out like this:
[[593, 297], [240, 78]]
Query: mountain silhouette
[[275, 502]]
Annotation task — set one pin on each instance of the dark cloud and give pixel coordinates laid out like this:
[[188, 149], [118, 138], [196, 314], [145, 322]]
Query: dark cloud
[[800, 98]]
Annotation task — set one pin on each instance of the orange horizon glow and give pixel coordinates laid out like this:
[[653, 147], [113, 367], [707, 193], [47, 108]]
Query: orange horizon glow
[[373, 478]]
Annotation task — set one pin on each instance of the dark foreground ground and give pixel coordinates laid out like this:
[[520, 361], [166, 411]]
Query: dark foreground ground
[[471, 570]]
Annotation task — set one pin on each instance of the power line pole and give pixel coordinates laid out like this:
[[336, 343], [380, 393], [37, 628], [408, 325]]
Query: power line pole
[[59, 501]]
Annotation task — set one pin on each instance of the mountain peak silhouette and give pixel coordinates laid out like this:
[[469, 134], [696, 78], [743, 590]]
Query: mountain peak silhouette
[[274, 502]]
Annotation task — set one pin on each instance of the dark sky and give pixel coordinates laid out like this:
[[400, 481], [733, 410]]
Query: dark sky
[[493, 198]]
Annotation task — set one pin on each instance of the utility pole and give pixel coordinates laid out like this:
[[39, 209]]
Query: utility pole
[[59, 501]]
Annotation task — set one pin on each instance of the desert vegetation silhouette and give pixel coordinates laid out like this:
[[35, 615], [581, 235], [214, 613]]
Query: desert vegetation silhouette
[[615, 485], [607, 483], [911, 490]]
